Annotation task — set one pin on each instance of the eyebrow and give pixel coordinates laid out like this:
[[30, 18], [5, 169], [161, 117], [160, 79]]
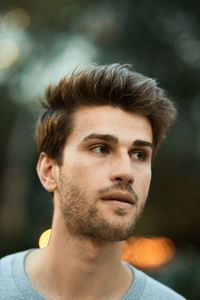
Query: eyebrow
[[141, 143], [104, 137], [114, 140]]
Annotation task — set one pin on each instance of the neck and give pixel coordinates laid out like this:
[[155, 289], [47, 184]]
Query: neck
[[69, 263]]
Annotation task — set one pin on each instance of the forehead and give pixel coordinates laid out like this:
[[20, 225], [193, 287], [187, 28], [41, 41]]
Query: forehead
[[124, 125]]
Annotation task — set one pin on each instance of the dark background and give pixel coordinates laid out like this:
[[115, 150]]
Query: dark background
[[161, 39]]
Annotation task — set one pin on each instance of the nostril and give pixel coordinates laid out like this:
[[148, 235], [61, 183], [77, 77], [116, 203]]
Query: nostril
[[119, 179], [122, 179]]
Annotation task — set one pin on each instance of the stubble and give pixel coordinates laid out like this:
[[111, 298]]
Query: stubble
[[82, 217]]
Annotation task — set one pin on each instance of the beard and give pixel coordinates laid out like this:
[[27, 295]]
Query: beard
[[82, 217]]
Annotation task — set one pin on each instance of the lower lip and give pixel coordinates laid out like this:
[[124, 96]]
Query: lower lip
[[119, 204]]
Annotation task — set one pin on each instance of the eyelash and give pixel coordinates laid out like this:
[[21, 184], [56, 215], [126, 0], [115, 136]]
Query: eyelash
[[107, 150], [144, 154], [101, 146]]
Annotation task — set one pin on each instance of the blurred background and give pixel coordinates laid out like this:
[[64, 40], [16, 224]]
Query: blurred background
[[42, 41]]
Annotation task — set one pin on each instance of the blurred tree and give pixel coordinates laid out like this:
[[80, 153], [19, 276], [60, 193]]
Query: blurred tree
[[160, 39]]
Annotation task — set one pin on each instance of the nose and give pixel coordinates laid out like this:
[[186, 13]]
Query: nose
[[122, 170]]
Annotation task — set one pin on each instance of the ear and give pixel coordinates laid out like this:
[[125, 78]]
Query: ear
[[46, 172]]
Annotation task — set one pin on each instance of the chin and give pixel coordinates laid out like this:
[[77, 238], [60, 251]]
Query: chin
[[114, 233]]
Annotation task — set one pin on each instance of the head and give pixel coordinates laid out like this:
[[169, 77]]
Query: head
[[98, 134], [111, 85]]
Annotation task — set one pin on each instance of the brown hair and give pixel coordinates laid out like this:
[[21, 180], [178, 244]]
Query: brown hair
[[114, 85]]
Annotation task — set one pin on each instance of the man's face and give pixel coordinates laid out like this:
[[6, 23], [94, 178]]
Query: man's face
[[104, 179]]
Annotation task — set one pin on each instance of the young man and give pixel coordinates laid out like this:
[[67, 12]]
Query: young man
[[97, 136]]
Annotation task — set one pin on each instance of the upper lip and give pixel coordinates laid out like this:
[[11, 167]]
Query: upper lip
[[120, 196]]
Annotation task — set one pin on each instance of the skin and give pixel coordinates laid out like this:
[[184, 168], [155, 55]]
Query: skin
[[108, 150]]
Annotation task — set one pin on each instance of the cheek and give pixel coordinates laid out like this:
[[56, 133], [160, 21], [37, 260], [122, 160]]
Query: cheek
[[84, 176], [143, 183]]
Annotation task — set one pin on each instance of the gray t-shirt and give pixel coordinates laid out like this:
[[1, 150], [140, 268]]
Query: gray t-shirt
[[14, 284]]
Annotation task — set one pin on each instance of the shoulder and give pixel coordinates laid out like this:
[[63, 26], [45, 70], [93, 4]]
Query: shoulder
[[161, 291], [7, 262], [152, 289], [11, 266]]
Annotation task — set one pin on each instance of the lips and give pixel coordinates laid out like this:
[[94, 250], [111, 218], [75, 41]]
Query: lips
[[119, 196]]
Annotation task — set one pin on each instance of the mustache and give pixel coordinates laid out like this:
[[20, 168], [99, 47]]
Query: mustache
[[121, 187]]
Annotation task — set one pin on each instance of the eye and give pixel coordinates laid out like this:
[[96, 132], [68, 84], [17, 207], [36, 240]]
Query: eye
[[139, 155], [100, 149]]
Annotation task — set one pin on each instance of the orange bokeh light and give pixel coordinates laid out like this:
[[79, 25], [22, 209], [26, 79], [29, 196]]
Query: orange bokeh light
[[148, 253], [44, 238]]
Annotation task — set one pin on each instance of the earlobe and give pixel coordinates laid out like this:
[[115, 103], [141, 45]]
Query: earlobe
[[46, 172]]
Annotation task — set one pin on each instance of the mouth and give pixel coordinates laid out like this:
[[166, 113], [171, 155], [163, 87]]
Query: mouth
[[121, 199]]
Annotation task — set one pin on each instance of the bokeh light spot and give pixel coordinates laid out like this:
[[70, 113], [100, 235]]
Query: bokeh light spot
[[148, 253], [44, 238], [9, 52], [15, 20]]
